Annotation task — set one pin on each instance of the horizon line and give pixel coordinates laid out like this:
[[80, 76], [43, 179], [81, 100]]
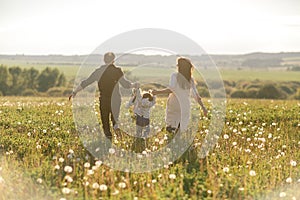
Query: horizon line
[[216, 54]]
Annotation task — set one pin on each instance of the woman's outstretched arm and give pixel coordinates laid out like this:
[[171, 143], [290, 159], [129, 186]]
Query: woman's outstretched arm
[[163, 91]]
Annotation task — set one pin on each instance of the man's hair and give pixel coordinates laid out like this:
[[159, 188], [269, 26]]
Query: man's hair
[[109, 57]]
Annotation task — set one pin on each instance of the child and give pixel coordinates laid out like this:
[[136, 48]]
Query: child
[[142, 105]]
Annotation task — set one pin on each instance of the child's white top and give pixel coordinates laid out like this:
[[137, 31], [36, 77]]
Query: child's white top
[[143, 105]]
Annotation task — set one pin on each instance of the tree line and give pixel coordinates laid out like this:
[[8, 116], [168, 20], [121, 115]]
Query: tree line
[[21, 81]]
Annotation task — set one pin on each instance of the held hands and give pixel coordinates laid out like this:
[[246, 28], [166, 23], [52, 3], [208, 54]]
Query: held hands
[[136, 85]]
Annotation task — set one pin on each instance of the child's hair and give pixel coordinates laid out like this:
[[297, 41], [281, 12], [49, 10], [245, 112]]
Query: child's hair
[[148, 95]]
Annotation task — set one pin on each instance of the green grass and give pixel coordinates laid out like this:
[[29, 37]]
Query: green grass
[[251, 160], [264, 75]]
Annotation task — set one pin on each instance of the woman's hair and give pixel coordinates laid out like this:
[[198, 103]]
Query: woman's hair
[[184, 76]]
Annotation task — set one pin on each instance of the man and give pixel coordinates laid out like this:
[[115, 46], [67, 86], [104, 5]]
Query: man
[[108, 77]]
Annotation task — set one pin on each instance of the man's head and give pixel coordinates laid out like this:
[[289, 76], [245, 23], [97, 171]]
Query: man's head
[[109, 58]]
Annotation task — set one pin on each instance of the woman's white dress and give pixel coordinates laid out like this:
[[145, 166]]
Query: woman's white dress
[[178, 104]]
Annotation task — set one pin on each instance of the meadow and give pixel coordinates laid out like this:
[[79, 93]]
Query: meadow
[[256, 156]]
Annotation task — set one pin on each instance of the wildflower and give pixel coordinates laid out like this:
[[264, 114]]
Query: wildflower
[[122, 185], [87, 165], [226, 169], [69, 178], [68, 169], [282, 194], [95, 185], [111, 150], [241, 189], [293, 163], [252, 173], [273, 124], [116, 192], [28, 134], [39, 180], [172, 176], [90, 172], [247, 150], [44, 131], [57, 167], [103, 187], [154, 181], [71, 151], [289, 180], [61, 160], [226, 136], [244, 129], [234, 143], [66, 190], [98, 163], [38, 146]]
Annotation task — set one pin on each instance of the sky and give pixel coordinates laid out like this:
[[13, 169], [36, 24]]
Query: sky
[[78, 27]]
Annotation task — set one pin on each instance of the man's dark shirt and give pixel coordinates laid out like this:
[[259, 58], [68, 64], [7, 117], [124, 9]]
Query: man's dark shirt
[[107, 78]]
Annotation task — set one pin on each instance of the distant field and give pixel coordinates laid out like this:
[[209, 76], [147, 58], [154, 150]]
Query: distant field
[[161, 74]]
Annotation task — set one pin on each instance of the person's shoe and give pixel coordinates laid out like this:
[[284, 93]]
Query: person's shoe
[[170, 129]]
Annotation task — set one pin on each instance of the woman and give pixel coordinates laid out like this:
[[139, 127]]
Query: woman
[[178, 103]]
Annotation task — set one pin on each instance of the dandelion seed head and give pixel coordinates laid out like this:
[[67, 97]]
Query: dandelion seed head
[[90, 172], [103, 187], [282, 194], [289, 180], [293, 163], [116, 192], [95, 186], [252, 173], [226, 169], [111, 150], [68, 169], [39, 180], [68, 178], [66, 190], [87, 165], [172, 176], [122, 185]]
